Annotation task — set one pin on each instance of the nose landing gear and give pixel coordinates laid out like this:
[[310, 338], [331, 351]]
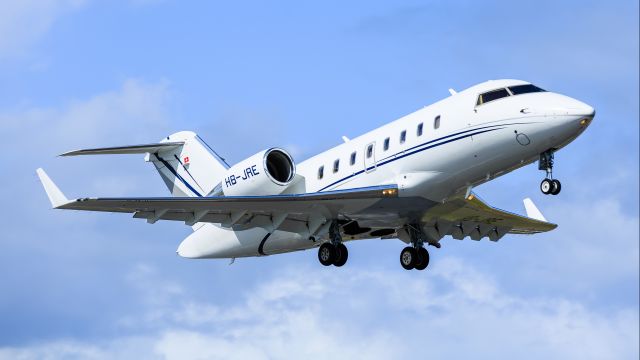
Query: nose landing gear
[[549, 185]]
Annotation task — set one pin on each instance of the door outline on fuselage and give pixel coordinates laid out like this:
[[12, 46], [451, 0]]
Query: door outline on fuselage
[[370, 163]]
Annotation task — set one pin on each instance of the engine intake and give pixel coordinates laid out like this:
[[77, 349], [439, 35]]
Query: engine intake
[[279, 165], [268, 172]]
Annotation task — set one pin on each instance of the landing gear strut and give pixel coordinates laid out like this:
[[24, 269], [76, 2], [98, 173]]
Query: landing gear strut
[[549, 185], [415, 256], [333, 252]]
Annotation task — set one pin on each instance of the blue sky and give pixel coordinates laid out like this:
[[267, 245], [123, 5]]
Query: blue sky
[[249, 75]]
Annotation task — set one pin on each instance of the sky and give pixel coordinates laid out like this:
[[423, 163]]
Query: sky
[[250, 75]]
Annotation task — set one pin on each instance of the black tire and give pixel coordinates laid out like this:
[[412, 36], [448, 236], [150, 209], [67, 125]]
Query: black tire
[[342, 254], [556, 187], [546, 186], [423, 259], [327, 254], [408, 258]]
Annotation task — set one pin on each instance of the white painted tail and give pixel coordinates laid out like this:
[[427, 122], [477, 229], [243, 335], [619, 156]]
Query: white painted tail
[[188, 166], [193, 169]]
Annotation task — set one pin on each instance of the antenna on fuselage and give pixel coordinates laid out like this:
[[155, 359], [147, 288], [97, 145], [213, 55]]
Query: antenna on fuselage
[[452, 92]]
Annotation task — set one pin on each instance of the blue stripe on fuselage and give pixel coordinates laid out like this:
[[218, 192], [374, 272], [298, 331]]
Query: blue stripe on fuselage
[[422, 147]]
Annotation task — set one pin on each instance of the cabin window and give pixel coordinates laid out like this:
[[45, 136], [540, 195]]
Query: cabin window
[[320, 172], [492, 95], [403, 136], [385, 145], [369, 151], [436, 122], [353, 158], [525, 89], [419, 132], [336, 165]]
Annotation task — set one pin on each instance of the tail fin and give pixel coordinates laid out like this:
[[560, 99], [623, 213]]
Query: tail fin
[[194, 169], [187, 165]]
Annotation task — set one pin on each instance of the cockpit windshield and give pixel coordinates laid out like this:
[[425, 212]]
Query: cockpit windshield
[[492, 95], [525, 89], [505, 92]]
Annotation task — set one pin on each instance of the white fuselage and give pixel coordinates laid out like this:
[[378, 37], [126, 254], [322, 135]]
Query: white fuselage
[[460, 144]]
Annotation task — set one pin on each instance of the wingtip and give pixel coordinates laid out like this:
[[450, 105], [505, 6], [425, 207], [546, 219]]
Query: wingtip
[[70, 153], [532, 210], [56, 197]]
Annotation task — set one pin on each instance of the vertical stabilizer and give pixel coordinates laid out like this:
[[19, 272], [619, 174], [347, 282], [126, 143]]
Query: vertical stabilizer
[[192, 169]]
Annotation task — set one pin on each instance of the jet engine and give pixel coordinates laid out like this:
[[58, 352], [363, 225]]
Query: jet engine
[[268, 172]]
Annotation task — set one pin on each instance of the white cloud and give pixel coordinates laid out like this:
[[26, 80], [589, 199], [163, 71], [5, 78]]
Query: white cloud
[[312, 313], [133, 111], [23, 22], [138, 112]]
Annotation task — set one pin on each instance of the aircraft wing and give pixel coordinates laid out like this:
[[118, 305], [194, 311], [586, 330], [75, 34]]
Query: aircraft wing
[[292, 212], [472, 217], [377, 207]]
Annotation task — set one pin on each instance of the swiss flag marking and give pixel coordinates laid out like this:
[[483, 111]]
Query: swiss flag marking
[[186, 160]]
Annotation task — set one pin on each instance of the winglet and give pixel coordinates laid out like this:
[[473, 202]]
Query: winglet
[[56, 196], [532, 210]]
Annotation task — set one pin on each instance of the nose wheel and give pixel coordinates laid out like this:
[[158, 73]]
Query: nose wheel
[[548, 186]]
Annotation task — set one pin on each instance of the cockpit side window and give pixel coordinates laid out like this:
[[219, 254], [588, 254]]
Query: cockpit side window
[[525, 89], [492, 95]]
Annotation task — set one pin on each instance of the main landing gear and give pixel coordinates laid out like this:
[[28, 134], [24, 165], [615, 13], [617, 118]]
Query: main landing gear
[[415, 256], [333, 252], [549, 185]]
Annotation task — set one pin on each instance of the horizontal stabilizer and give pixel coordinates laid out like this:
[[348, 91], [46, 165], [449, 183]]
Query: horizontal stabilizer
[[133, 149], [56, 196], [532, 210]]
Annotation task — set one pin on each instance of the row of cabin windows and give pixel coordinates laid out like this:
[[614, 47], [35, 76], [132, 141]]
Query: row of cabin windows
[[385, 147]]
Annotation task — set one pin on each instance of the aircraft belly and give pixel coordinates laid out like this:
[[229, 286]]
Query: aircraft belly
[[283, 241], [212, 241]]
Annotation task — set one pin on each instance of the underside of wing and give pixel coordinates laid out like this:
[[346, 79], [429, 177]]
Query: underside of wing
[[293, 211], [471, 217]]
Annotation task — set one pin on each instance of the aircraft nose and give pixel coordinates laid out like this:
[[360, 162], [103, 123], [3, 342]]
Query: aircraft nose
[[578, 108], [584, 110]]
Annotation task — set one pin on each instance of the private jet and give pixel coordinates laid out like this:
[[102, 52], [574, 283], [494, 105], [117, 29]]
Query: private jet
[[411, 179]]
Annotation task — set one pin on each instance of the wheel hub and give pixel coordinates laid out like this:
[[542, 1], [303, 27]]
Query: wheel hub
[[406, 258]]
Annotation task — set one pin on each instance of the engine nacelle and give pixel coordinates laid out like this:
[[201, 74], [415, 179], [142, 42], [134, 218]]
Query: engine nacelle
[[268, 172]]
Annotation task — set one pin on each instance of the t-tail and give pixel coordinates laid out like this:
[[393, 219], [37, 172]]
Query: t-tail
[[187, 164]]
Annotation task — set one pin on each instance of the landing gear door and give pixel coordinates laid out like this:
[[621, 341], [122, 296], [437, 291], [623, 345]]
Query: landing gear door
[[370, 157]]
